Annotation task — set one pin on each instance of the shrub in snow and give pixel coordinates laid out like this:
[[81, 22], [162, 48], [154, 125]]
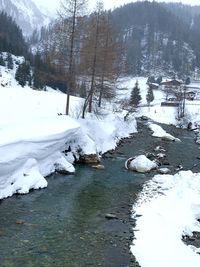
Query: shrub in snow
[[140, 164]]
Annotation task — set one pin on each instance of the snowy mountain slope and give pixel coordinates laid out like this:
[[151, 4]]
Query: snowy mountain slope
[[27, 15], [156, 40]]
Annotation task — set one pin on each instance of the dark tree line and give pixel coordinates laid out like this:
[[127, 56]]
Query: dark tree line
[[159, 37], [11, 37]]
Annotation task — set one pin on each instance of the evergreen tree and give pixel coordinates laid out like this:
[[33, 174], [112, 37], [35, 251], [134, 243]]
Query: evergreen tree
[[9, 61], [135, 95], [187, 81], [2, 62], [23, 74], [11, 37], [149, 96], [37, 81], [159, 80], [151, 79]]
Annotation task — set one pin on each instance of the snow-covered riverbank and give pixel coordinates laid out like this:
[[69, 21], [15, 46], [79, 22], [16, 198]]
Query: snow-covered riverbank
[[32, 140], [167, 209], [33, 135]]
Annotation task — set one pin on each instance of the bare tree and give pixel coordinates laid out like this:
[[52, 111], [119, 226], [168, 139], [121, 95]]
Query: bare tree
[[98, 56], [91, 58], [70, 11]]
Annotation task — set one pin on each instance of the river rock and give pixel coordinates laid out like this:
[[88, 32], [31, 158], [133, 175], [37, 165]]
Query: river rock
[[150, 155], [198, 141], [189, 126], [90, 159], [159, 149], [179, 167], [98, 167], [164, 170], [161, 155], [144, 118], [140, 164], [169, 137], [20, 222], [111, 216]]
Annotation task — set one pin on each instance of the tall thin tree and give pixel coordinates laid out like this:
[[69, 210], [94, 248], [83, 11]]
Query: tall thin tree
[[70, 11]]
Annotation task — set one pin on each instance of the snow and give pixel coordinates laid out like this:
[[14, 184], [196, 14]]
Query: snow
[[33, 138], [112, 127], [140, 164], [154, 111], [167, 209], [158, 131], [33, 149], [33, 134]]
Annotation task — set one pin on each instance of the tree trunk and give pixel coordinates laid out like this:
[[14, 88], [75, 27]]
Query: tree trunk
[[70, 84]]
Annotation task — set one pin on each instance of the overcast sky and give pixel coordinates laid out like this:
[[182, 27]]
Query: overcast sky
[[108, 4]]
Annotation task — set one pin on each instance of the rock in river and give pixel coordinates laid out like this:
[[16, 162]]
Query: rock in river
[[140, 164]]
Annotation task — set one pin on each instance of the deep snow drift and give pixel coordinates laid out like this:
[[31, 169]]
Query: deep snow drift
[[33, 135]]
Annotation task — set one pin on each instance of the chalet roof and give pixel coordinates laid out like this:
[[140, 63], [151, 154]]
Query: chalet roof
[[172, 82]]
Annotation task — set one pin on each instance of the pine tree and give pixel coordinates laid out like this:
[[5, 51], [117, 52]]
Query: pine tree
[[23, 74], [2, 62], [135, 95], [149, 96], [187, 81], [37, 81], [159, 80], [9, 61]]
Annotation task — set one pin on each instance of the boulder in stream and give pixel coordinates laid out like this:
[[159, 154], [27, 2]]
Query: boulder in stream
[[140, 164], [164, 170], [89, 159], [98, 167]]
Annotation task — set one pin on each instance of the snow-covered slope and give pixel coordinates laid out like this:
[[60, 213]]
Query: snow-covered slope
[[27, 15]]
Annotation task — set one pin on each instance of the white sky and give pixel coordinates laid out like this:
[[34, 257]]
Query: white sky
[[53, 4]]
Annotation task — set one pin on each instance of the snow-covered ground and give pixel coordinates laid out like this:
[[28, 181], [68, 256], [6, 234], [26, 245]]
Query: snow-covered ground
[[167, 209], [155, 111], [33, 135]]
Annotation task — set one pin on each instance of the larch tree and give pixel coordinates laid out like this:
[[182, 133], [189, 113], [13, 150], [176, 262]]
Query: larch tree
[[98, 57], [70, 12], [90, 55], [108, 59]]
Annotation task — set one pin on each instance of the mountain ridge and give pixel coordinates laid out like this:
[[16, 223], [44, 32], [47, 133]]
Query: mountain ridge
[[26, 14]]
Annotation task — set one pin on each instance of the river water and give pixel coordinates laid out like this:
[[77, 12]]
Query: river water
[[65, 224]]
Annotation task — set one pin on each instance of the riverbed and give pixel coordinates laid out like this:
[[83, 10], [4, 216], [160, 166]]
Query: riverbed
[[65, 224]]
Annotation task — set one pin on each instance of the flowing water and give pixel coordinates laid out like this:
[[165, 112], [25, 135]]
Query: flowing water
[[65, 225]]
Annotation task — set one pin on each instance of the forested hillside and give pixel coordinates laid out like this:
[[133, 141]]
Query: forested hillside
[[141, 38], [156, 39], [11, 37]]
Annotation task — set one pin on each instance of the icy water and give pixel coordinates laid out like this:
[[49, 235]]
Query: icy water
[[65, 224]]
